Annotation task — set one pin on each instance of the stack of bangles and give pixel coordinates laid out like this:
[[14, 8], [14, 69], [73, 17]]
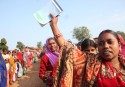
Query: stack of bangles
[[58, 35]]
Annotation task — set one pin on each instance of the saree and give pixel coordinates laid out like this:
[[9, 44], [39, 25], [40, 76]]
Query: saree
[[3, 72], [76, 69], [20, 70], [122, 51], [12, 69], [53, 56]]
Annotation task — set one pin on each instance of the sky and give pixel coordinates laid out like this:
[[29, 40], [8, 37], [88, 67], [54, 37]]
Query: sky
[[17, 22]]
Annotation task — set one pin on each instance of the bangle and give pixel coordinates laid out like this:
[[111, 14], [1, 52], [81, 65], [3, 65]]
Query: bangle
[[58, 35]]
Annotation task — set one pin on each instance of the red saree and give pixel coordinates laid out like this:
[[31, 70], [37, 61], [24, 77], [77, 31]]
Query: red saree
[[75, 69], [110, 78]]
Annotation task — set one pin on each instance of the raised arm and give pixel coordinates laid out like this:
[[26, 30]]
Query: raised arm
[[56, 32]]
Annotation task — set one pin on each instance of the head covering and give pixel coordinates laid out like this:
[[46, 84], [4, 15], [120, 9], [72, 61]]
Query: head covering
[[121, 39], [122, 51], [53, 56]]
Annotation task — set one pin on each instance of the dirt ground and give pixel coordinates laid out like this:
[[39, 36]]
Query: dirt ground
[[31, 79]]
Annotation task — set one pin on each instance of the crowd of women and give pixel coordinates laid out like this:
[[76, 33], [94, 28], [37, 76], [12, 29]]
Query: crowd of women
[[91, 63], [14, 64]]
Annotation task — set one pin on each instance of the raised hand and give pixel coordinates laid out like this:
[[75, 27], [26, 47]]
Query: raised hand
[[56, 32], [54, 20]]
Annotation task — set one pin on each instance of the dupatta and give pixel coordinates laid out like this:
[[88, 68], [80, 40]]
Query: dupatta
[[53, 56]]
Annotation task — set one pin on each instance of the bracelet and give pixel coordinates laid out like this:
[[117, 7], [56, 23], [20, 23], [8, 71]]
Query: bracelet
[[58, 35]]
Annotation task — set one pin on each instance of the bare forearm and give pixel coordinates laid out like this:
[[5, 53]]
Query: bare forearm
[[57, 34]]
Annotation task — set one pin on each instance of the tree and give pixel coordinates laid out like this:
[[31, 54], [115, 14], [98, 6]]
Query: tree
[[44, 46], [39, 45], [3, 47], [122, 34], [3, 44], [3, 41], [20, 45], [81, 32]]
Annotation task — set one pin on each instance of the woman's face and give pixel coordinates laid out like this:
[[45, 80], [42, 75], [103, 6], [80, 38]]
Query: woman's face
[[52, 45], [108, 46], [90, 50]]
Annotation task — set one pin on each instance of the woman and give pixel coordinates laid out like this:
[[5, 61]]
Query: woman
[[76, 69], [48, 61], [12, 67], [3, 72], [6, 58], [89, 46], [14, 56]]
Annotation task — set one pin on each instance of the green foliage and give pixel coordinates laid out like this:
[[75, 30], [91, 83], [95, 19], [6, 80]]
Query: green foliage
[[39, 45], [44, 46], [81, 32], [122, 34], [4, 47], [3, 44], [0, 46], [3, 41], [20, 45]]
